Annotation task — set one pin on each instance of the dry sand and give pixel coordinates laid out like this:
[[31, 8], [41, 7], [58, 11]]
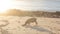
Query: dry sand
[[45, 25]]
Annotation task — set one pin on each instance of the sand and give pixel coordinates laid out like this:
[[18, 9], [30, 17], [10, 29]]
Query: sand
[[14, 26]]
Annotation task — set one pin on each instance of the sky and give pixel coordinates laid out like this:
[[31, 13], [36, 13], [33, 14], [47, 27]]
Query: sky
[[40, 5], [30, 4]]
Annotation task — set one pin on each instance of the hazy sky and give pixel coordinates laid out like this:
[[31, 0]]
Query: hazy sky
[[32, 4], [38, 4]]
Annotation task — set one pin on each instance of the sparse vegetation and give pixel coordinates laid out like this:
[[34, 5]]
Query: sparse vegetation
[[17, 12]]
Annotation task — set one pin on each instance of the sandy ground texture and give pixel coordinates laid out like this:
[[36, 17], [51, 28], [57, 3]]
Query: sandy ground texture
[[13, 25]]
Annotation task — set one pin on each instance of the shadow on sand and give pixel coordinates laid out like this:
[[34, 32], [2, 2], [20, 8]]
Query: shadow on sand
[[4, 31], [41, 29]]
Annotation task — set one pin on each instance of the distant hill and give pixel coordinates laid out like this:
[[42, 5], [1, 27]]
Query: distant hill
[[17, 12]]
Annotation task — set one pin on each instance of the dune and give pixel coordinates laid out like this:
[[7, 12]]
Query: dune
[[45, 25]]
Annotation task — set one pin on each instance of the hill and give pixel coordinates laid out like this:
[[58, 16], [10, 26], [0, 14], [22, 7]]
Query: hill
[[17, 12]]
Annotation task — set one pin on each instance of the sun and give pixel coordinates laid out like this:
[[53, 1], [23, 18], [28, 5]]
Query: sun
[[5, 5], [3, 10], [10, 4]]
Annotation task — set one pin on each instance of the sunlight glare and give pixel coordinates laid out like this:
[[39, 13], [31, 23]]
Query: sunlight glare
[[5, 5]]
